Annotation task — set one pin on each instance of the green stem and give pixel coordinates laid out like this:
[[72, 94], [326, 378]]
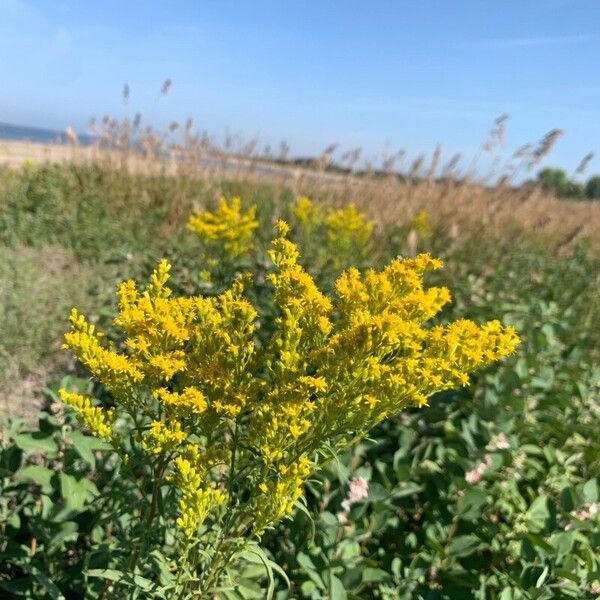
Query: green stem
[[218, 565], [141, 548], [184, 561]]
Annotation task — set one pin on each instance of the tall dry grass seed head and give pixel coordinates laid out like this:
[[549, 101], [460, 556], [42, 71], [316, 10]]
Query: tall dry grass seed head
[[235, 430]]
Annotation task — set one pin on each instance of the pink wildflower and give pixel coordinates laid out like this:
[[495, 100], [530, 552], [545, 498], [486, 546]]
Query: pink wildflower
[[587, 512], [474, 475], [342, 517], [498, 442], [359, 490]]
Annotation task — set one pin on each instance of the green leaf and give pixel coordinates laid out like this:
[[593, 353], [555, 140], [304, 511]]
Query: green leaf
[[17, 587], [36, 441], [540, 581], [253, 552], [407, 489], [563, 542], [244, 588], [110, 574], [469, 506], [74, 492], [336, 589], [309, 568], [53, 591], [377, 492], [66, 531], [10, 461], [373, 574], [540, 542], [463, 545], [507, 594], [86, 445], [124, 578], [566, 574], [538, 513], [567, 498], [303, 509], [349, 550], [39, 475], [532, 449], [308, 587], [590, 491], [258, 552]]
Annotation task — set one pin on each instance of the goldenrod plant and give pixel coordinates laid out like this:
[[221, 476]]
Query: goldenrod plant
[[332, 239], [338, 236], [229, 430], [228, 236], [421, 224], [228, 229]]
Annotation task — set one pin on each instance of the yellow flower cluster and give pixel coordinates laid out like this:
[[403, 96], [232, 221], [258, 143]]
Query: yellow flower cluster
[[420, 223], [115, 370], [341, 367], [162, 439], [197, 498], [346, 227], [245, 425], [228, 228], [189, 402], [98, 420], [342, 225], [347, 232], [277, 497], [306, 213]]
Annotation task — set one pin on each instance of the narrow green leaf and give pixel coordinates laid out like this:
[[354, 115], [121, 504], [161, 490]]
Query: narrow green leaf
[[53, 591], [540, 581], [303, 509]]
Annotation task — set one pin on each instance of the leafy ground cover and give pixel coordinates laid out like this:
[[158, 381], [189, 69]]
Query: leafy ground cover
[[491, 492]]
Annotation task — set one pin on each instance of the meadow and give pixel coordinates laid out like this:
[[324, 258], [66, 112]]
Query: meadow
[[489, 491]]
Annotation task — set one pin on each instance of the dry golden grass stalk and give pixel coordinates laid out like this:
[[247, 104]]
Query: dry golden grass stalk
[[451, 201], [583, 164]]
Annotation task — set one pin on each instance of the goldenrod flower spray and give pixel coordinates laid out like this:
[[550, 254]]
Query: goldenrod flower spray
[[230, 431], [338, 236], [228, 234]]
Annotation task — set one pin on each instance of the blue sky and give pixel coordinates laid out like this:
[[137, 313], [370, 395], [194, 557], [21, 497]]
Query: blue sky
[[371, 74]]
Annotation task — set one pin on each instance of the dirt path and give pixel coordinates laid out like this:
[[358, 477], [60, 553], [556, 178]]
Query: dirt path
[[14, 154]]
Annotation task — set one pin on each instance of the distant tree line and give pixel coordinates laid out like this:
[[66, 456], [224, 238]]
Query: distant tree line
[[557, 181]]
